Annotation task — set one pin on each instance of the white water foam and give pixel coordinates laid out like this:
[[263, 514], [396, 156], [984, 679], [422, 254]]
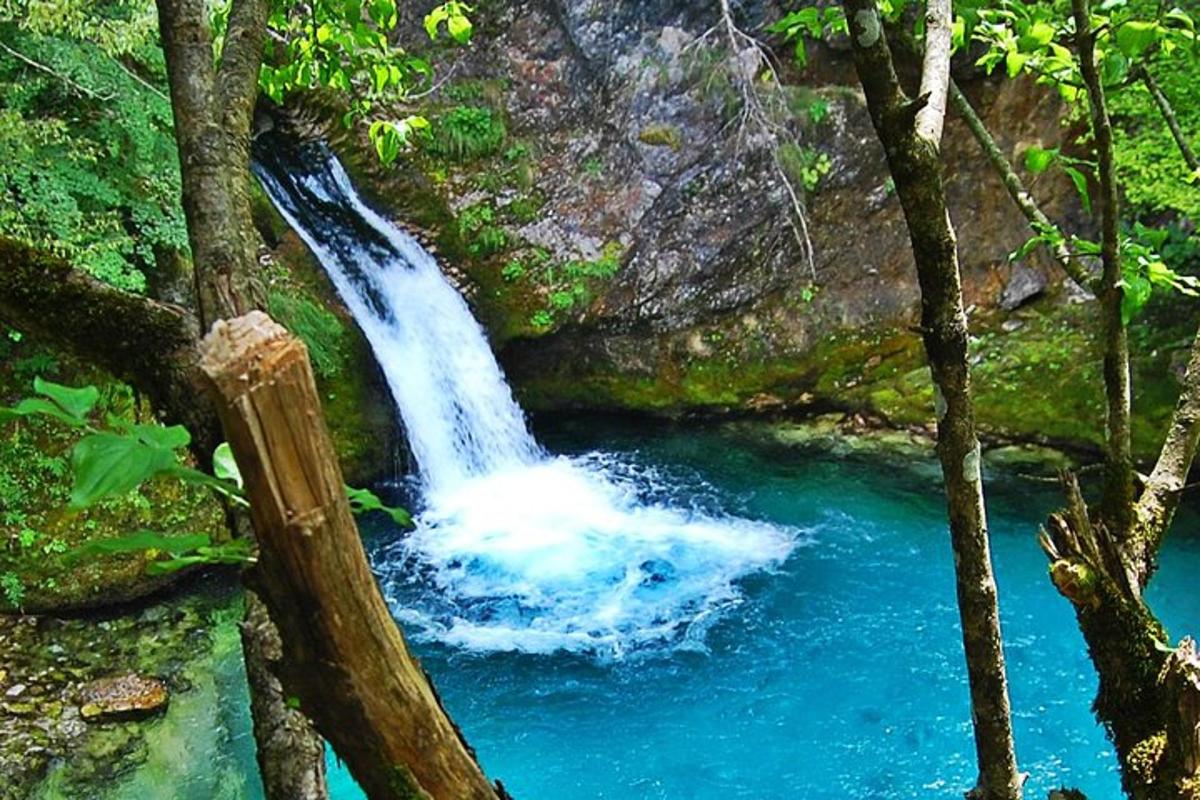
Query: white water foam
[[565, 555], [524, 551]]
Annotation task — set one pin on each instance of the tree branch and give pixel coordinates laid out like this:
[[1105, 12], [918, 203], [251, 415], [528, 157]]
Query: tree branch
[[1168, 115], [1160, 497], [142, 341], [1016, 188], [935, 70], [241, 58], [1118, 498], [74, 86]]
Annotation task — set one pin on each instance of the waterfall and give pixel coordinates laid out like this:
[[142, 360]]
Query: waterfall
[[459, 415], [514, 549]]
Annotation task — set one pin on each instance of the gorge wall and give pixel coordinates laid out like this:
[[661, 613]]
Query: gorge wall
[[591, 185]]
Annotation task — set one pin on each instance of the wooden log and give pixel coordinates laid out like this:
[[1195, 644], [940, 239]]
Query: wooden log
[[344, 658]]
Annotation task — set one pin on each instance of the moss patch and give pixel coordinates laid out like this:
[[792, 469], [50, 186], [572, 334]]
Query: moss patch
[[37, 533], [353, 393], [1038, 381]]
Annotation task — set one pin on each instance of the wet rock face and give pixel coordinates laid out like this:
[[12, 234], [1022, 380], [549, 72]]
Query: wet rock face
[[633, 118]]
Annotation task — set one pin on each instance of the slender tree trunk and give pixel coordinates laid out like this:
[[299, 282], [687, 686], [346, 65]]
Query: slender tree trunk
[[1102, 563], [911, 132], [1119, 490], [343, 655]]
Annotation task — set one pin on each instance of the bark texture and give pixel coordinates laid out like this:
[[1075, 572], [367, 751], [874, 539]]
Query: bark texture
[[343, 655], [1119, 490], [278, 732], [213, 106], [910, 130]]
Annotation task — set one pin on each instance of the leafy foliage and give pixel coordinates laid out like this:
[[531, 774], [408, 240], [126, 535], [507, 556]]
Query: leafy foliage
[[321, 331], [329, 44], [115, 460], [88, 165], [466, 133]]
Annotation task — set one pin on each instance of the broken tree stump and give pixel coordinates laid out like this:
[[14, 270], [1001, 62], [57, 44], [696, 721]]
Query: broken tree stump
[[344, 658]]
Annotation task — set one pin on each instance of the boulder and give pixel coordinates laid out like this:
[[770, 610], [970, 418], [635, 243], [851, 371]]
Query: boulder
[[122, 697]]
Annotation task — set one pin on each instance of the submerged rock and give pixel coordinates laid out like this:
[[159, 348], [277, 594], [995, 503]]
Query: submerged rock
[[122, 697]]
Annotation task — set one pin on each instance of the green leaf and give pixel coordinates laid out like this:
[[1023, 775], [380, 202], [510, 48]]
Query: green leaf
[[1038, 160], [1134, 36], [76, 402], [434, 19], [1038, 36], [1013, 62], [140, 542], [1081, 187], [1114, 67], [460, 28], [224, 465], [31, 406], [1135, 293], [108, 463], [364, 500], [173, 437]]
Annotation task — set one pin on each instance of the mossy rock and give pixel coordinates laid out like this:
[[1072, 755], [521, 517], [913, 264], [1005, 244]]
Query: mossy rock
[[1039, 382], [38, 570]]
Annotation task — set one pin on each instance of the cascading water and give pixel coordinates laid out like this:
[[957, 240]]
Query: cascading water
[[514, 549]]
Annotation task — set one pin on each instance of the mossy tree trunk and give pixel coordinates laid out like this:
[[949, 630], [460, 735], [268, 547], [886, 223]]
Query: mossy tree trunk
[[910, 130], [1103, 559]]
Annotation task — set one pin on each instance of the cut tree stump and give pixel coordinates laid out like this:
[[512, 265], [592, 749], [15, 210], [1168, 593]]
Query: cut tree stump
[[344, 658]]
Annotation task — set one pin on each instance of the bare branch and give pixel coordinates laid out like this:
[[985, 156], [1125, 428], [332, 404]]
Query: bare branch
[[935, 71], [72, 85], [754, 114], [1168, 115], [1016, 188]]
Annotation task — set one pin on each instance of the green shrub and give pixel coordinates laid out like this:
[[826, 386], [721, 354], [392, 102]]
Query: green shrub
[[477, 225], [803, 165], [321, 331], [466, 133]]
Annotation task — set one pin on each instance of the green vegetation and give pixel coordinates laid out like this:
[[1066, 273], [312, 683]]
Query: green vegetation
[[804, 166], [466, 133], [38, 532], [321, 331], [478, 226], [88, 165]]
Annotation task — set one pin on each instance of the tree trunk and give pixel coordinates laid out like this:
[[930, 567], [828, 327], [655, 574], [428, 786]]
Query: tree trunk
[[1119, 490], [1102, 562], [151, 345], [212, 108], [343, 655], [212, 132], [289, 746], [910, 131]]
